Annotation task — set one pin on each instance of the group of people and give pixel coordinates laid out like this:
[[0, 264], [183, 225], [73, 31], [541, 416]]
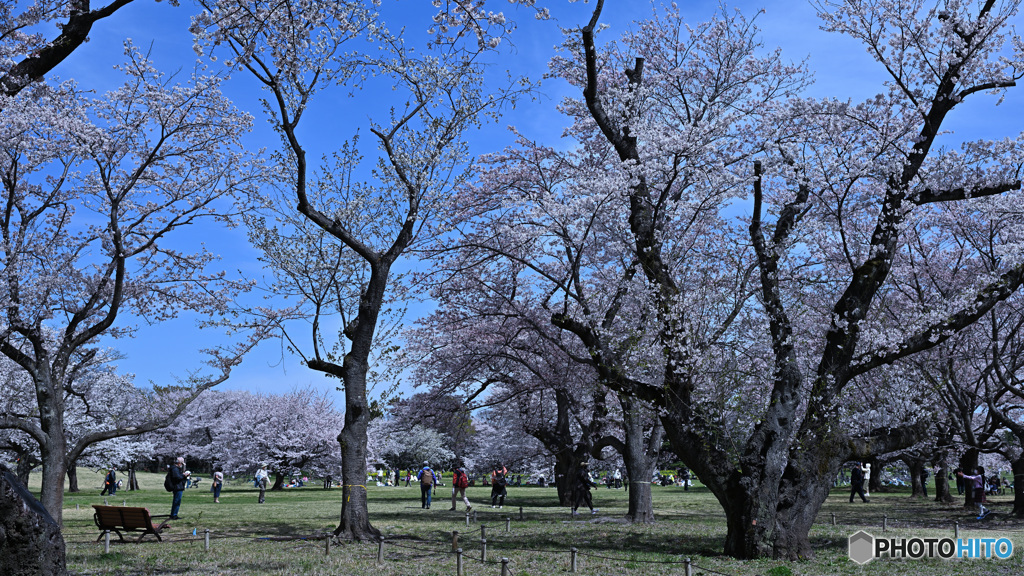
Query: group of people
[[429, 480]]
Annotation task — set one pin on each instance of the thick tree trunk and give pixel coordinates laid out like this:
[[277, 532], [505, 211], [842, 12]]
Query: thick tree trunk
[[942, 492], [968, 462], [565, 471], [73, 477], [640, 457], [133, 480], [1017, 467], [30, 539], [278, 481], [917, 489], [26, 462], [355, 518], [874, 482], [54, 471]]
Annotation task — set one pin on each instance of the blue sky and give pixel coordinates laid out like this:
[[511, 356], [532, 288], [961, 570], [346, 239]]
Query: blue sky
[[157, 353]]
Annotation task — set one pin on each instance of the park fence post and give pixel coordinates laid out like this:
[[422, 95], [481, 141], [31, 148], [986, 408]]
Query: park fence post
[[380, 551], [885, 520], [474, 515], [455, 540], [483, 551], [572, 559], [956, 529], [833, 518], [483, 531], [467, 518], [206, 539], [105, 503], [688, 566], [458, 562], [327, 545], [124, 502], [76, 507], [106, 541], [504, 567], [508, 524], [520, 513]]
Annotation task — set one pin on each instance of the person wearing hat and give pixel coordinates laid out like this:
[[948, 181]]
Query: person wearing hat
[[582, 489], [428, 479]]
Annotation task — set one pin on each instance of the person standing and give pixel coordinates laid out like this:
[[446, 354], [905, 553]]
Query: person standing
[[176, 477], [262, 475], [978, 485], [498, 483], [110, 482], [428, 479], [218, 482], [581, 489], [866, 482], [460, 481], [857, 482]]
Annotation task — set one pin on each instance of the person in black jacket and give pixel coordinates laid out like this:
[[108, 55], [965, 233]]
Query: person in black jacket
[[177, 476], [857, 482], [110, 482], [582, 488]]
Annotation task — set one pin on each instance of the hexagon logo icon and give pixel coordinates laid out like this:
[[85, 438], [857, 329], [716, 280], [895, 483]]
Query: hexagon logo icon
[[862, 547]]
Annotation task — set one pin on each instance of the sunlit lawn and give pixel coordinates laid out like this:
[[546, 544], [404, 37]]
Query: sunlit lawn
[[283, 536]]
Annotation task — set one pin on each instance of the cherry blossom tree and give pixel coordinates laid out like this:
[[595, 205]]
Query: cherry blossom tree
[[299, 50], [93, 188]]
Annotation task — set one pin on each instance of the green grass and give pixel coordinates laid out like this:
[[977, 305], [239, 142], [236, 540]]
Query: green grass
[[281, 536]]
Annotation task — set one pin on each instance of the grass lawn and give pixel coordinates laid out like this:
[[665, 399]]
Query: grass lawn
[[282, 535]]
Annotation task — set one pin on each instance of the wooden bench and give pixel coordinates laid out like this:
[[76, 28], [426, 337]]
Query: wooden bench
[[128, 519]]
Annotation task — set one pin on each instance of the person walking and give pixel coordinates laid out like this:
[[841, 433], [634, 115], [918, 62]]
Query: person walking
[[218, 482], [857, 482], [428, 479], [460, 481], [262, 476], [581, 489], [175, 482], [498, 483], [110, 482]]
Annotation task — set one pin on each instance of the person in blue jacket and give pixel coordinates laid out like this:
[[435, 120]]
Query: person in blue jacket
[[428, 479]]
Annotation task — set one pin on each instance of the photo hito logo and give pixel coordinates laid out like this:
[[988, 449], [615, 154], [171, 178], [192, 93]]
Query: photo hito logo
[[864, 547]]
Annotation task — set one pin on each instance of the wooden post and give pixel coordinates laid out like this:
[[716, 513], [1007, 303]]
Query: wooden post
[[458, 562], [206, 539], [687, 567], [467, 518], [483, 531], [106, 541], [105, 502], [520, 513], [833, 518], [504, 567], [124, 502], [483, 550], [327, 546], [956, 529], [474, 515], [885, 520], [76, 507], [380, 551], [508, 524], [572, 559], [455, 540]]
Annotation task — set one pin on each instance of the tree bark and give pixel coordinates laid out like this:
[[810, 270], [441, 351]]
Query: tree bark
[[133, 480], [278, 481], [73, 477], [968, 462], [355, 519], [916, 467], [26, 462], [942, 492], [1017, 467], [30, 539], [640, 457]]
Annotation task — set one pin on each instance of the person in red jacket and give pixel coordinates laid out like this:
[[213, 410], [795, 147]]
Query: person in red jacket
[[460, 481]]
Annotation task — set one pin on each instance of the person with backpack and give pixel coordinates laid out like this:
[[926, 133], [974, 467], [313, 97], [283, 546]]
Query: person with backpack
[[460, 481], [581, 490], [110, 482], [498, 484], [428, 479], [175, 482]]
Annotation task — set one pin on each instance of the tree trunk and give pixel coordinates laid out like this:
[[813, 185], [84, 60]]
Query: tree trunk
[[942, 492], [30, 539], [73, 477], [640, 457], [565, 471], [874, 482], [26, 462], [133, 480], [54, 470], [968, 462], [1017, 467], [278, 481], [916, 473], [355, 518]]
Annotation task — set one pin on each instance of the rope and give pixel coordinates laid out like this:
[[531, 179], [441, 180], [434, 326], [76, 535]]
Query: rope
[[706, 569]]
